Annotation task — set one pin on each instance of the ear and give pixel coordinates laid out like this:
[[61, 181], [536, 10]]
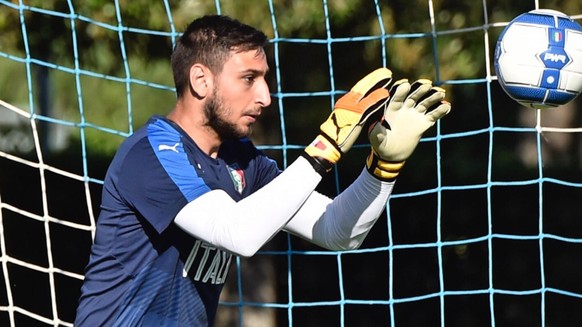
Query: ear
[[200, 80]]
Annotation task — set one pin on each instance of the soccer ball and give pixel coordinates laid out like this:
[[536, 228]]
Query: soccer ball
[[538, 59]]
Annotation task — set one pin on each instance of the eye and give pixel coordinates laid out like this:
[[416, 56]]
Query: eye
[[249, 79]]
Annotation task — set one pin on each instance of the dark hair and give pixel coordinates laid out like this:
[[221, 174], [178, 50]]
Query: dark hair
[[209, 40]]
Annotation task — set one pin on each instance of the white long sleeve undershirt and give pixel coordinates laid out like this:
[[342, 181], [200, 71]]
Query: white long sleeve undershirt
[[288, 202], [344, 222]]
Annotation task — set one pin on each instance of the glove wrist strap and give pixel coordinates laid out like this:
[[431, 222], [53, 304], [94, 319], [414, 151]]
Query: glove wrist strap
[[322, 154], [386, 171], [320, 165]]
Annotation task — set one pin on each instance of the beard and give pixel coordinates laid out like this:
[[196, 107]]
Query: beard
[[216, 112]]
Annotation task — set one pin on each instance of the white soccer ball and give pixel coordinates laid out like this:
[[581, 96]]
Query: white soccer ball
[[538, 59]]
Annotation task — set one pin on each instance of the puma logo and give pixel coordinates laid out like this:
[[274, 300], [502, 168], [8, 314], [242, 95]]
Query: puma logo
[[162, 147]]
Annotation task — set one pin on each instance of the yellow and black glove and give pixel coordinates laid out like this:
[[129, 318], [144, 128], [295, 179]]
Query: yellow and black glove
[[411, 110], [342, 128]]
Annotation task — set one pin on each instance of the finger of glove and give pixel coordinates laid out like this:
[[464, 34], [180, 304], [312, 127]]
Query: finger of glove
[[366, 106], [417, 90], [379, 78], [398, 84], [376, 135], [433, 97], [398, 93], [374, 99], [439, 111], [351, 101]]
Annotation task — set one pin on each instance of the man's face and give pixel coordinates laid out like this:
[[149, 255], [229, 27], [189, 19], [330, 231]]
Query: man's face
[[240, 92]]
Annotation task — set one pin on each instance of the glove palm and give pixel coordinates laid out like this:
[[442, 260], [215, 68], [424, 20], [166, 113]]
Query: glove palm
[[411, 110]]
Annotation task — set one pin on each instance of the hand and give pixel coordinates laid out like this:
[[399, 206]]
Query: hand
[[411, 110], [342, 128]]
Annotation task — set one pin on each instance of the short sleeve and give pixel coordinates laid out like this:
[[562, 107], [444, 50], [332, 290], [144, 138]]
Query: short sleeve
[[156, 177]]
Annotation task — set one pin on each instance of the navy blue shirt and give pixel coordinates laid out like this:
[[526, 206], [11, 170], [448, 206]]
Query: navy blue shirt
[[143, 269]]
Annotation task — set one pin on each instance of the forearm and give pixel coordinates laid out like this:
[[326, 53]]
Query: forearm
[[244, 227], [344, 222]]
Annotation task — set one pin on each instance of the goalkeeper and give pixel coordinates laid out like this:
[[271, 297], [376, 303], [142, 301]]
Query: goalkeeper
[[189, 190]]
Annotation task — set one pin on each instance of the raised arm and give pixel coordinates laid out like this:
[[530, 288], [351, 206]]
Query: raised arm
[[244, 227], [344, 222]]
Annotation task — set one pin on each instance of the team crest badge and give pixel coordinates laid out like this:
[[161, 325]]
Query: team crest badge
[[238, 177]]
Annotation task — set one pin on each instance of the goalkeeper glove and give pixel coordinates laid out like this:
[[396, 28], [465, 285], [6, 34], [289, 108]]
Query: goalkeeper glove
[[411, 110], [339, 132]]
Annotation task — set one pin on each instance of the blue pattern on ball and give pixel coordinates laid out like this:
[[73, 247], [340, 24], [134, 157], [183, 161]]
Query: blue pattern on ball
[[547, 92]]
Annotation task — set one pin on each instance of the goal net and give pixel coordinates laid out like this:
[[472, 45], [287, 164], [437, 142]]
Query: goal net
[[483, 227]]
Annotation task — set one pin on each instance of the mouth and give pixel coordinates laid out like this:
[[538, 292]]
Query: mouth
[[253, 116]]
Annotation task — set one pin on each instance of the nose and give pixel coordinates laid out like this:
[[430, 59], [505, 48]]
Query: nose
[[263, 94]]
